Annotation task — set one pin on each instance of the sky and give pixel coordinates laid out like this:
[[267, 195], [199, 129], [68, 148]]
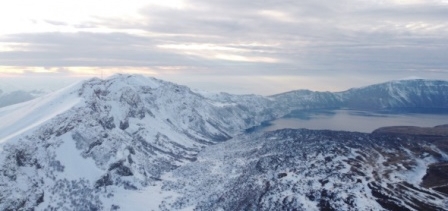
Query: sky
[[262, 47]]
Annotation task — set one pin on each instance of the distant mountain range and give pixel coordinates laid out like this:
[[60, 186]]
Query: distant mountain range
[[413, 95], [18, 96], [135, 143]]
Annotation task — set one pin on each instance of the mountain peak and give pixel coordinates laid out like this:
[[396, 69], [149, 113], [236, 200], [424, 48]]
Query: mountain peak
[[411, 78], [130, 79], [414, 80]]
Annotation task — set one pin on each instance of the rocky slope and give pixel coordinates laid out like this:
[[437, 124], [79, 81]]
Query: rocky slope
[[437, 173], [440, 131], [310, 170]]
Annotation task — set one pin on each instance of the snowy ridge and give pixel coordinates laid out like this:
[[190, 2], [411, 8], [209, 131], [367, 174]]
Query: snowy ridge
[[399, 94], [104, 136], [410, 94]]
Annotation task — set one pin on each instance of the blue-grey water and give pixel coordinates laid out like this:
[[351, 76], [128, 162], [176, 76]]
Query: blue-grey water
[[352, 120]]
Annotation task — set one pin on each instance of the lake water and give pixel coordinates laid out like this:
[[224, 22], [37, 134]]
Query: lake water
[[352, 120]]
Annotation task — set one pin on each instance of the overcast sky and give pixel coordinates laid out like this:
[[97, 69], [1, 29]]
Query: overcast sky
[[262, 47]]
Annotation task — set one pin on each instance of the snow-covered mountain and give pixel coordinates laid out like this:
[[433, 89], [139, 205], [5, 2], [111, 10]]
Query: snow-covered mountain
[[418, 93], [67, 148], [131, 143], [413, 95]]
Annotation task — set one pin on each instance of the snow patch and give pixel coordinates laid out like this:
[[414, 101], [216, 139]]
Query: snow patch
[[76, 166]]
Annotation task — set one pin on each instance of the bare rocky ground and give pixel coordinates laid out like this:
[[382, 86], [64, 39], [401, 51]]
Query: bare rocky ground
[[436, 177]]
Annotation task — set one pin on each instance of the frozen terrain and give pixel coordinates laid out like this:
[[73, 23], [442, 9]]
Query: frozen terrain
[[135, 143], [309, 170]]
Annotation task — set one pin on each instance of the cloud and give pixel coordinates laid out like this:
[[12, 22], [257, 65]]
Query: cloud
[[308, 38], [57, 23], [87, 49]]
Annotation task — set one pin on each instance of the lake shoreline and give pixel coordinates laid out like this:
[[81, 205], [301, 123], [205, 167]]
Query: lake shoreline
[[352, 120]]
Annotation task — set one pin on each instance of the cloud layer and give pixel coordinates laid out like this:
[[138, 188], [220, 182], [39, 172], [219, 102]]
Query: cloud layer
[[289, 41]]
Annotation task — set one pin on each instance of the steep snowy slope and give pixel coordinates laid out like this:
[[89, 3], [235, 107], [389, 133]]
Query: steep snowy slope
[[309, 170], [76, 148]]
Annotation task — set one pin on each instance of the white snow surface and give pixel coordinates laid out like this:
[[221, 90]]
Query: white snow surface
[[75, 166], [17, 119]]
